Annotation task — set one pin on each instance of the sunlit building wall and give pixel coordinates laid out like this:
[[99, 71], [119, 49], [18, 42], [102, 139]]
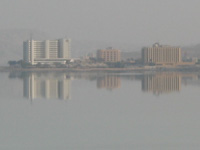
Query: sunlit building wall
[[109, 55], [161, 55], [46, 52]]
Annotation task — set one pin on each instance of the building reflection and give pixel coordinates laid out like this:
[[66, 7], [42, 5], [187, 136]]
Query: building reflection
[[109, 82], [37, 85], [46, 86], [161, 83]]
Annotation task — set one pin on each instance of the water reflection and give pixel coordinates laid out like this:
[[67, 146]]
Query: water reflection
[[161, 83], [98, 119], [47, 86], [37, 85], [109, 82]]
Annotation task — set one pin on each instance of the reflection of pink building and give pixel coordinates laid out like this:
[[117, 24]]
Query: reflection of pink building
[[109, 82]]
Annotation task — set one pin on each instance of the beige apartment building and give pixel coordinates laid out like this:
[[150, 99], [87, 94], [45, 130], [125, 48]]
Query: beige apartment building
[[161, 55], [109, 55], [46, 52]]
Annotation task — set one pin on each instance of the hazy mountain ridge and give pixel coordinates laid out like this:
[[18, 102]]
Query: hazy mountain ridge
[[191, 51], [82, 48]]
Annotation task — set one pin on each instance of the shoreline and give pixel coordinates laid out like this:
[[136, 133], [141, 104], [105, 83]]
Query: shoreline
[[132, 69]]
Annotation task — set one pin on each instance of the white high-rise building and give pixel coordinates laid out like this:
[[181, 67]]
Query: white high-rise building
[[46, 52]]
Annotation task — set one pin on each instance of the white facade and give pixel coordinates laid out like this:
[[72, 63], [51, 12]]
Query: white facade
[[46, 52]]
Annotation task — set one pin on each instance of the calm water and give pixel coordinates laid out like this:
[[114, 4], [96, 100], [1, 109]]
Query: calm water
[[48, 111]]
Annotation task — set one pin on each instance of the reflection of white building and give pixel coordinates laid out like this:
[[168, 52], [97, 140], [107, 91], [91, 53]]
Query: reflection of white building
[[48, 87], [46, 52]]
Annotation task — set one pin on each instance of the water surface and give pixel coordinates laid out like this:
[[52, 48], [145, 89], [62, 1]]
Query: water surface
[[99, 111]]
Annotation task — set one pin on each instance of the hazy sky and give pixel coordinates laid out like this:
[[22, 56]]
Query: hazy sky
[[131, 21]]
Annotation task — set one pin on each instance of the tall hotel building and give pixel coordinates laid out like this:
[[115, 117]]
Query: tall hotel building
[[161, 55], [46, 52], [109, 55]]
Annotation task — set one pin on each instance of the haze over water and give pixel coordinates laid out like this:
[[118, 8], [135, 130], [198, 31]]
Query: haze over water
[[93, 111]]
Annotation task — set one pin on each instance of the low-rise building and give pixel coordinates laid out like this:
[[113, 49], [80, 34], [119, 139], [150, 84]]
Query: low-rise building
[[109, 55]]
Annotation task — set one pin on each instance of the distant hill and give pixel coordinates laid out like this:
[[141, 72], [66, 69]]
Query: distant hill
[[134, 55], [82, 48], [191, 51]]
